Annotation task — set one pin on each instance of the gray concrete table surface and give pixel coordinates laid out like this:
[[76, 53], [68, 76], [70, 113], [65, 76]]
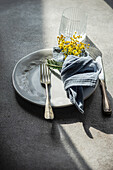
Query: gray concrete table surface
[[72, 141]]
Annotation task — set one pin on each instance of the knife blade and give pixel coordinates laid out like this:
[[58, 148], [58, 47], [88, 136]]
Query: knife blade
[[106, 104]]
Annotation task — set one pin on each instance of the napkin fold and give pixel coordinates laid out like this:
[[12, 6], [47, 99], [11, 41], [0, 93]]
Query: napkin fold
[[78, 72]]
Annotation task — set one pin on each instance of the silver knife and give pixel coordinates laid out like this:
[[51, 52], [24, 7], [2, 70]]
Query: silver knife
[[94, 53], [106, 104]]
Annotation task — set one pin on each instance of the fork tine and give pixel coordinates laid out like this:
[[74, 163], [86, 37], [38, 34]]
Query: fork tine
[[41, 72], [49, 74], [46, 76]]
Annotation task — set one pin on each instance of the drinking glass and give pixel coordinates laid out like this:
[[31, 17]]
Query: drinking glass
[[73, 20]]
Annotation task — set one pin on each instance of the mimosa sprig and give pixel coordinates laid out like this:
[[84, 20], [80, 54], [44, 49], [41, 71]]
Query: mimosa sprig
[[72, 46]]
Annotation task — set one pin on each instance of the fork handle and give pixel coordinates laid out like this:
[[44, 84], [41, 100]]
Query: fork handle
[[48, 109], [106, 105]]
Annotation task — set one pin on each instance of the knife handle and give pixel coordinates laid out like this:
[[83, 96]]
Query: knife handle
[[106, 104]]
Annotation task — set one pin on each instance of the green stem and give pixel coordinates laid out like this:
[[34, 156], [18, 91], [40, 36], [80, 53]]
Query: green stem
[[52, 65]]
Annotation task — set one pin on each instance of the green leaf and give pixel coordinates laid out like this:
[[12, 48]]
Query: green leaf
[[54, 64]]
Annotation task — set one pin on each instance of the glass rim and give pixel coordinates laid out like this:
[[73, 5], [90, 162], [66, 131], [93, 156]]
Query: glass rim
[[78, 9]]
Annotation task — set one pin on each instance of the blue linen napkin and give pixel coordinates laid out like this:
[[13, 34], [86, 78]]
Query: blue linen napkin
[[76, 73]]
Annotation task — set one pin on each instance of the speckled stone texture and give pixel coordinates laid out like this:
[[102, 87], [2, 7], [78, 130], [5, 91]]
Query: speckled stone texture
[[72, 141]]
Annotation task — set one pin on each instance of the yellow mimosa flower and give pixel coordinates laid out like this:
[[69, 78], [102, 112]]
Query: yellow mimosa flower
[[82, 47], [78, 36], [67, 42], [72, 46], [77, 48], [79, 51], [77, 54]]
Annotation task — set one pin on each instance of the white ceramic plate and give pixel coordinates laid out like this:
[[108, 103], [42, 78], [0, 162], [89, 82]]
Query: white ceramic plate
[[26, 81]]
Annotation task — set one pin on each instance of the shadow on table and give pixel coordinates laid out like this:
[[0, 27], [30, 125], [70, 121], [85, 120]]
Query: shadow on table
[[56, 140], [29, 107], [58, 133], [109, 2], [93, 116]]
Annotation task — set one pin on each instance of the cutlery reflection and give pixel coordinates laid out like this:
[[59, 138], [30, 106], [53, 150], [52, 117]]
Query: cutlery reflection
[[45, 79]]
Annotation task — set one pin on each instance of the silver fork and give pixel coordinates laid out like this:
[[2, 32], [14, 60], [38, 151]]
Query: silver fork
[[45, 79]]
